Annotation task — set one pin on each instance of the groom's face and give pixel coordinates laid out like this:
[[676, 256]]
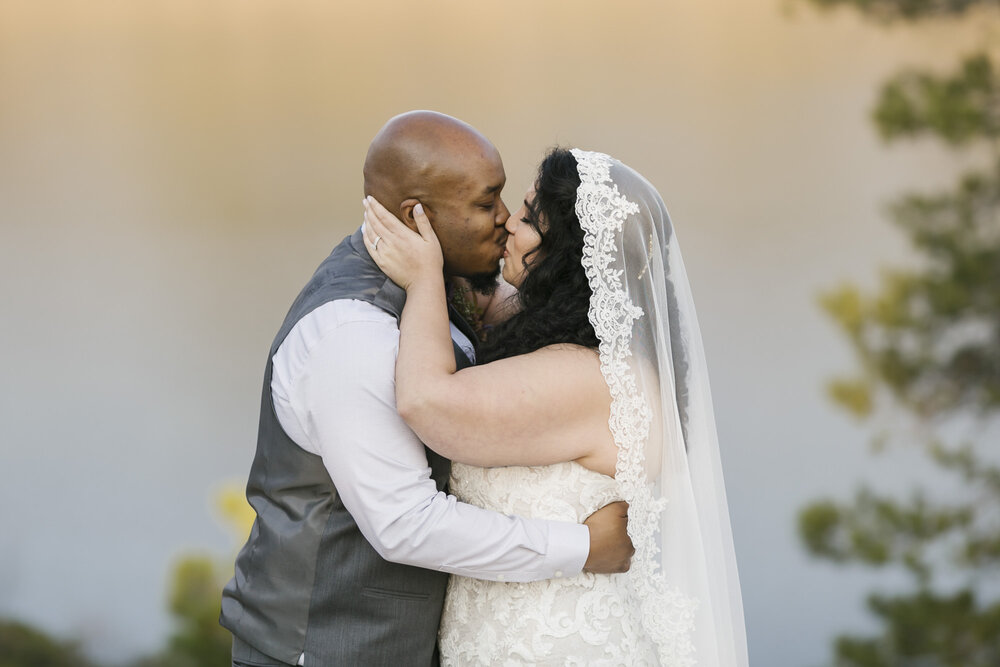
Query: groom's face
[[468, 214]]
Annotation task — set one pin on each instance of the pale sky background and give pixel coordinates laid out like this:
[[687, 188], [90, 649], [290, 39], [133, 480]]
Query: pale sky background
[[172, 171]]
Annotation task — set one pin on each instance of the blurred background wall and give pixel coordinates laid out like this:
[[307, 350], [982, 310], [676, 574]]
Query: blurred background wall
[[172, 171]]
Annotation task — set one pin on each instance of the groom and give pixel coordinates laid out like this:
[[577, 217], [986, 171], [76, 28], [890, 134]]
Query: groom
[[349, 555]]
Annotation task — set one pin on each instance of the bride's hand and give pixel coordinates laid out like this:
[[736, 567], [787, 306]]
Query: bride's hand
[[403, 254]]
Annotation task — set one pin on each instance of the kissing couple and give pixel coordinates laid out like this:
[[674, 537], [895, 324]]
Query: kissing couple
[[418, 421]]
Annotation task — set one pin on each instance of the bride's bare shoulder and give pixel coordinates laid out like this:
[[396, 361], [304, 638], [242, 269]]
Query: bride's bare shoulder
[[569, 376], [570, 352], [572, 367]]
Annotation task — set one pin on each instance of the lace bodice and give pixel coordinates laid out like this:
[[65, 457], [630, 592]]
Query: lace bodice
[[563, 492], [582, 620]]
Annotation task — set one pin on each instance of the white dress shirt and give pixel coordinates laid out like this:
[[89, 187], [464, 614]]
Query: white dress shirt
[[333, 386]]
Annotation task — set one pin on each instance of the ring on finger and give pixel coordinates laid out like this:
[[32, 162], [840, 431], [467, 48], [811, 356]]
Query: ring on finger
[[375, 245]]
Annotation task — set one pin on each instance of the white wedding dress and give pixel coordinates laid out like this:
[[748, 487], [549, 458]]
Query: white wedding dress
[[680, 604], [587, 619]]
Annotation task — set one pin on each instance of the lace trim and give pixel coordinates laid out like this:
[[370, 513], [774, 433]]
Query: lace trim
[[667, 613]]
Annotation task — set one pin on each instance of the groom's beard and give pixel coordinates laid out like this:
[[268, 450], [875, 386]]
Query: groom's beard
[[484, 283]]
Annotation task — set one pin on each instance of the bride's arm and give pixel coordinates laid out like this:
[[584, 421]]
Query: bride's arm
[[534, 409]]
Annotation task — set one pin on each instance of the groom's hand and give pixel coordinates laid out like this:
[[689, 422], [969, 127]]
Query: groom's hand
[[610, 547]]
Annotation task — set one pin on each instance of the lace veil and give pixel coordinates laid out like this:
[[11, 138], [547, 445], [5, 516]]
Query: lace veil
[[683, 574]]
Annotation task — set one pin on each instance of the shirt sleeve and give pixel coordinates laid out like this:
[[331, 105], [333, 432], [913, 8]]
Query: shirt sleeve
[[344, 405]]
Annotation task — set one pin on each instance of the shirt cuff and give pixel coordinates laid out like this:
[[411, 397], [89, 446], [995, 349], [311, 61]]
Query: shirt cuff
[[569, 547]]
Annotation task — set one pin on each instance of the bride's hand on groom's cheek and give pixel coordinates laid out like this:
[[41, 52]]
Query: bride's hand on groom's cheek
[[610, 547], [402, 254]]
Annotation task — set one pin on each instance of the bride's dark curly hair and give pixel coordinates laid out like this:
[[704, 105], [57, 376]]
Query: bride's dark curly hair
[[554, 294]]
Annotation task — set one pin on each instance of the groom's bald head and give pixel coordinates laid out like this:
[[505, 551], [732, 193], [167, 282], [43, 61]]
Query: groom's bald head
[[421, 155], [455, 173]]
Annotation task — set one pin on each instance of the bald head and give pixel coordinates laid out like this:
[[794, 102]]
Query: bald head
[[456, 174], [423, 156]]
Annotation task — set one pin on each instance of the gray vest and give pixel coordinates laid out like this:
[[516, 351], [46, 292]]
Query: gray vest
[[307, 580]]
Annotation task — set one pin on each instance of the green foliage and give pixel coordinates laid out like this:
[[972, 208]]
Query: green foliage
[[196, 597], [927, 345], [198, 641], [958, 108], [877, 530], [929, 335], [890, 10], [195, 601], [853, 394], [927, 630], [24, 646]]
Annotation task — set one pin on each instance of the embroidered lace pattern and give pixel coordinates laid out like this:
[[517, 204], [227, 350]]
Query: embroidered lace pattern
[[666, 613], [585, 619]]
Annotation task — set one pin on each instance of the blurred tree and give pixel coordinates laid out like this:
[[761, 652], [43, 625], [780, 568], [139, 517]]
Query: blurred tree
[[927, 342], [196, 597], [195, 600], [24, 646], [236, 511], [890, 10]]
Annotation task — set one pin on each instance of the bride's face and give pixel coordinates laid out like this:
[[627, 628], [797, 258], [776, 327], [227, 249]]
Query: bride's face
[[522, 239]]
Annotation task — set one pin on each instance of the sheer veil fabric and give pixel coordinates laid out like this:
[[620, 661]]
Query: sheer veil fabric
[[683, 575]]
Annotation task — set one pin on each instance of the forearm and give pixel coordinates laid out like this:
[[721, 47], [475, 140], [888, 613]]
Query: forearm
[[426, 356], [444, 534], [382, 477]]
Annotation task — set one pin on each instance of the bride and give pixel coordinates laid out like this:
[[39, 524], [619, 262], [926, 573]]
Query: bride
[[594, 389]]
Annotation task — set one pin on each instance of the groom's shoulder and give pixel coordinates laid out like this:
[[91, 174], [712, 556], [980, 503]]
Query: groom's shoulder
[[343, 330], [349, 258], [330, 317], [355, 311]]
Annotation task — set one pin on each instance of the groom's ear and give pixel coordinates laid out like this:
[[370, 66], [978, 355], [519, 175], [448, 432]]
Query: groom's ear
[[406, 212]]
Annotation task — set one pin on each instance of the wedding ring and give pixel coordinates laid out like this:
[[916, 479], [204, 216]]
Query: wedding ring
[[375, 245]]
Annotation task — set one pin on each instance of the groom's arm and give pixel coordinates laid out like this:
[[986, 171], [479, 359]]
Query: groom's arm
[[341, 398]]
